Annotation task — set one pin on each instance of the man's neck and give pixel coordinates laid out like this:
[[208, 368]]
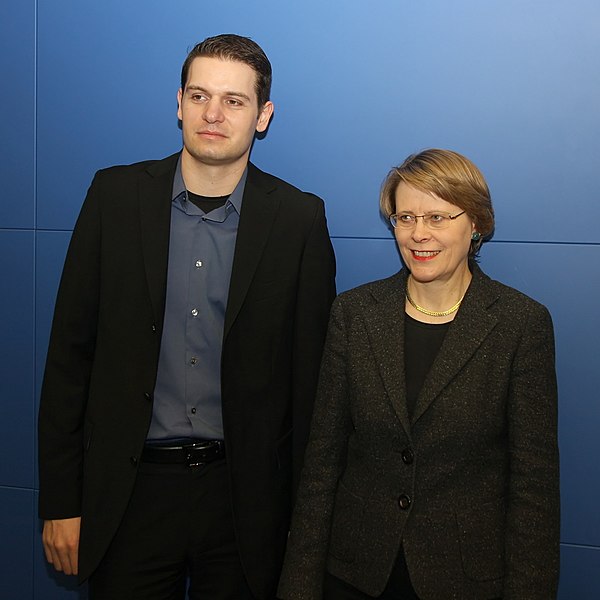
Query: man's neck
[[211, 180]]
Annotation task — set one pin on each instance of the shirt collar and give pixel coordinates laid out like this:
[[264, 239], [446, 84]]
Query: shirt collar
[[235, 198]]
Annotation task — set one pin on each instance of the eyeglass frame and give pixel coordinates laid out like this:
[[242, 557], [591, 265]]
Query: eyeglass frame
[[426, 219]]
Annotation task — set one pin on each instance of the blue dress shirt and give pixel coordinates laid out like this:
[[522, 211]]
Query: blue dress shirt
[[187, 395]]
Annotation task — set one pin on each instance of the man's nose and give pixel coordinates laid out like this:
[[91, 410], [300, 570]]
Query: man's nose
[[213, 111]]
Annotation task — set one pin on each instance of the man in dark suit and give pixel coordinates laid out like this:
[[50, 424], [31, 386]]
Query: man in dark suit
[[184, 355]]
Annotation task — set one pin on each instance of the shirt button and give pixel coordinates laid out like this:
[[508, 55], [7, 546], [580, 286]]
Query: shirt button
[[198, 264], [194, 312], [193, 410], [404, 502], [193, 360]]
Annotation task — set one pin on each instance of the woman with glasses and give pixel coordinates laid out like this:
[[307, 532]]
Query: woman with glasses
[[432, 468]]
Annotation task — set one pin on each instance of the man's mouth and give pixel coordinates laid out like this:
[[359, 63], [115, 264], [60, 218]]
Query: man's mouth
[[209, 133]]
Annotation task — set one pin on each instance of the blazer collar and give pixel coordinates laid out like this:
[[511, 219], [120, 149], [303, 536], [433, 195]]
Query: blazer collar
[[384, 320], [259, 207], [154, 197], [471, 326], [385, 325]]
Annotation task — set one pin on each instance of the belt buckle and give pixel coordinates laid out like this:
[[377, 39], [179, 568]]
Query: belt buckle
[[189, 449]]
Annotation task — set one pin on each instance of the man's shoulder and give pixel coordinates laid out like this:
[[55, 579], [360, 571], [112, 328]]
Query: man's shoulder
[[152, 166], [269, 183]]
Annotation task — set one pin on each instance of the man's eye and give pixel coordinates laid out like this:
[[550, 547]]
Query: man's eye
[[234, 102], [197, 97]]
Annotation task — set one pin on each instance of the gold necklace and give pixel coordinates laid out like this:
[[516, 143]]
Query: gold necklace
[[432, 313]]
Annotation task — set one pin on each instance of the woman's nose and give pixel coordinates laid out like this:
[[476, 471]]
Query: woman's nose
[[420, 230]]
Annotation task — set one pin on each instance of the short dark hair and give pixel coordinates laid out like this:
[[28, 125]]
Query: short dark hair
[[451, 177], [229, 46]]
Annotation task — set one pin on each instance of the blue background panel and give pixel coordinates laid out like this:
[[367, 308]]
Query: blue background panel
[[507, 83], [16, 536], [510, 84], [17, 117], [359, 261], [16, 358], [579, 573], [108, 76]]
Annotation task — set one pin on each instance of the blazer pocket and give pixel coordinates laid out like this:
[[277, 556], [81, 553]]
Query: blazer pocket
[[283, 450], [88, 429], [348, 513], [481, 534]]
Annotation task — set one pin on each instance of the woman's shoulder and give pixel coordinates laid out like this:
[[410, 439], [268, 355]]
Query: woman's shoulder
[[506, 296]]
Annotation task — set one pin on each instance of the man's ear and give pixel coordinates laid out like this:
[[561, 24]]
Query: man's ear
[[179, 97], [264, 116]]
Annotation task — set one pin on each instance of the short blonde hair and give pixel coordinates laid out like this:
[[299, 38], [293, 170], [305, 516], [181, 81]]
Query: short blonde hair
[[451, 177]]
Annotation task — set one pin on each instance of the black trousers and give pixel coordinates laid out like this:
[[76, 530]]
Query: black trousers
[[398, 586], [177, 534]]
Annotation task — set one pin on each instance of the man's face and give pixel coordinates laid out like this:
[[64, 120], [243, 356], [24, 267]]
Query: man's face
[[219, 112]]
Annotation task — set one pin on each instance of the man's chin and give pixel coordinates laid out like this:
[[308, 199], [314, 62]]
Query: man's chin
[[214, 157]]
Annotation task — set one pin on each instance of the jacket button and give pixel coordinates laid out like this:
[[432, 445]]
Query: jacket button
[[408, 456], [148, 396], [404, 502], [133, 460]]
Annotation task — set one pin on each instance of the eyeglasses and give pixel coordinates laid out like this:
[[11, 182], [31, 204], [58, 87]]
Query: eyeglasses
[[433, 220]]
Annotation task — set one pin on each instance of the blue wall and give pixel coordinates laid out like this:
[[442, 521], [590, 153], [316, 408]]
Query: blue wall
[[513, 84]]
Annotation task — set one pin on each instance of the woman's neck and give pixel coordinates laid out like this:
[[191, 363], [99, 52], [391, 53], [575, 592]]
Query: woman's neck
[[436, 301]]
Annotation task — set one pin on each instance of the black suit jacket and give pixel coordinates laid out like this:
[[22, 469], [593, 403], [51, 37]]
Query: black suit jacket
[[468, 484], [96, 402]]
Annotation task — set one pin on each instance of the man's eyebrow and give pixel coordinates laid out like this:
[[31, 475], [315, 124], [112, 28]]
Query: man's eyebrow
[[199, 88]]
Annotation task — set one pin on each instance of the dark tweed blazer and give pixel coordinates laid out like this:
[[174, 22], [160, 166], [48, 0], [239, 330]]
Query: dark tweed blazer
[[469, 485]]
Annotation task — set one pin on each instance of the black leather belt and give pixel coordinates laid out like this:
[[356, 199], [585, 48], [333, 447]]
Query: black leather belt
[[194, 454]]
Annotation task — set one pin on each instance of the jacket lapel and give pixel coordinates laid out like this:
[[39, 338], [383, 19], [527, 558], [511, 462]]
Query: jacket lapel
[[259, 207], [155, 189], [385, 327], [472, 325]]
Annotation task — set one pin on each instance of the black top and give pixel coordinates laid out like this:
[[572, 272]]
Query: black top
[[207, 203], [422, 342]]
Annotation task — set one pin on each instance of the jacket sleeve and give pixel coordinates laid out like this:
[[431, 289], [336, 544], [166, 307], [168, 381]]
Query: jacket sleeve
[[316, 291], [532, 522], [68, 368], [304, 566]]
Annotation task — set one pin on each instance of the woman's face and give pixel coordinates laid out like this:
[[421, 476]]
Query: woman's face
[[432, 254]]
